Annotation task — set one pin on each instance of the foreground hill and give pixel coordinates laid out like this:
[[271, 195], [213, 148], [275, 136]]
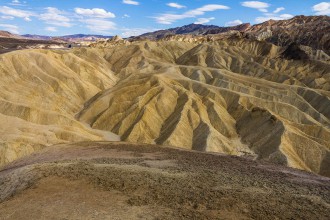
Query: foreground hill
[[100, 180]]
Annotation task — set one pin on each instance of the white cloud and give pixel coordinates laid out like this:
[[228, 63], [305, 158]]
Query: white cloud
[[322, 8], [126, 16], [53, 16], [130, 2], [204, 20], [11, 28], [7, 17], [8, 11], [170, 18], [233, 23], [128, 32], [51, 29], [96, 19], [175, 5], [99, 25], [273, 17], [95, 12], [263, 10], [261, 6], [286, 16], [17, 3], [279, 10]]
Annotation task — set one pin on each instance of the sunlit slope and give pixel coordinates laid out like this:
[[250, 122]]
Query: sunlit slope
[[41, 91], [233, 96]]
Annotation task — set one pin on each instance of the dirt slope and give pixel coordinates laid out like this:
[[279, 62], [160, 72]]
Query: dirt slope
[[100, 180]]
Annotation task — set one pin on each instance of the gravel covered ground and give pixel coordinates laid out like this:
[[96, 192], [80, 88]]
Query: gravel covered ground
[[102, 180]]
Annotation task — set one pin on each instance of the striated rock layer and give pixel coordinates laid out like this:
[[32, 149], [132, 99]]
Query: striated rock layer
[[41, 91], [234, 96]]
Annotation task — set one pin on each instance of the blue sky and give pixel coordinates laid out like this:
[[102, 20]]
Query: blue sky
[[133, 17]]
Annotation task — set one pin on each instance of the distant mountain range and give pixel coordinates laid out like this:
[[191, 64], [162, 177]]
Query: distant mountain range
[[312, 31], [193, 29], [74, 37], [6, 34]]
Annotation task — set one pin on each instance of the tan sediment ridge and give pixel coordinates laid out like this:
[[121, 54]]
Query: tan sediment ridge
[[228, 95]]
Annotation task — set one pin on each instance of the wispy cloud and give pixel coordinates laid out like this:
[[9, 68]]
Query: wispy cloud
[[17, 3], [322, 8], [56, 17], [94, 12], [171, 18], [7, 17], [96, 19], [267, 16], [204, 20], [51, 29], [175, 5], [8, 11], [261, 6], [128, 32], [273, 17], [233, 23], [11, 28], [130, 2], [99, 25], [278, 10]]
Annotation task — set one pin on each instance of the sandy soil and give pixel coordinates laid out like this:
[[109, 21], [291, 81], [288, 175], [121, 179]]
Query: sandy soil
[[102, 180]]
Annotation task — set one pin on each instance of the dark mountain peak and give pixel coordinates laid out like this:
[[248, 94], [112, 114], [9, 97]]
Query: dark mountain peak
[[309, 31], [193, 29], [218, 30], [193, 26]]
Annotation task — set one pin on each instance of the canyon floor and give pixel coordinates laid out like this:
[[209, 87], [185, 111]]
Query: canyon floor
[[118, 180]]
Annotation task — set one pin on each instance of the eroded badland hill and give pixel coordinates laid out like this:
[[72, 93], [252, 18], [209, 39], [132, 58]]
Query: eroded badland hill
[[233, 96]]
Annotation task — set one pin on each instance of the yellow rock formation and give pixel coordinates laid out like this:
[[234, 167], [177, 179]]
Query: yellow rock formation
[[232, 96]]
